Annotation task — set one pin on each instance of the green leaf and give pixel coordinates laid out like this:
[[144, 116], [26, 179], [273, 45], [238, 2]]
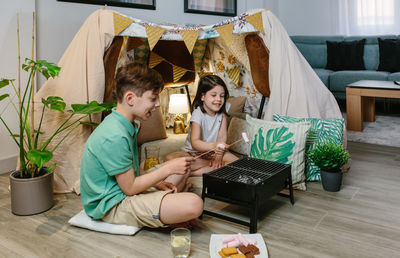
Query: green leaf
[[91, 108], [5, 82], [4, 96], [54, 103], [39, 158], [88, 123], [36, 131], [276, 146]]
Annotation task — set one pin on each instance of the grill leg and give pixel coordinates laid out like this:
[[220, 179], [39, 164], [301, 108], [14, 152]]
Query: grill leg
[[254, 217], [291, 189]]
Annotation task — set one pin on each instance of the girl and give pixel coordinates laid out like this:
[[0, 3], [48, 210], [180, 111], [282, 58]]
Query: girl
[[208, 127]]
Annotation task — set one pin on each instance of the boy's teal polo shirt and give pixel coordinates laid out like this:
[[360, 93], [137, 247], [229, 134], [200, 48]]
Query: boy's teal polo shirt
[[110, 150]]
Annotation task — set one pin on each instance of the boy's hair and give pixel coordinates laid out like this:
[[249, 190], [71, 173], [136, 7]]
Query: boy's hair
[[137, 78], [207, 83]]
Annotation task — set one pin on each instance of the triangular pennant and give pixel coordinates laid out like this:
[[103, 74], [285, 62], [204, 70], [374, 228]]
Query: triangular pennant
[[256, 21], [189, 37], [225, 31], [120, 23], [234, 74], [178, 72], [153, 35], [154, 59], [202, 73]]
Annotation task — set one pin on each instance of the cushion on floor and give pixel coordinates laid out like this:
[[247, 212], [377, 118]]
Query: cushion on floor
[[84, 221]]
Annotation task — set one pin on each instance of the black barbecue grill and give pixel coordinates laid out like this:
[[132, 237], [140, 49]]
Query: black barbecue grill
[[247, 182]]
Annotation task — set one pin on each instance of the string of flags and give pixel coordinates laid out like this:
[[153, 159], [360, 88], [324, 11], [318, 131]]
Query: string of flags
[[189, 36]]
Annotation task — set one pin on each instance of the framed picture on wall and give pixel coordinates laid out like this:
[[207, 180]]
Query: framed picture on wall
[[143, 4], [213, 7]]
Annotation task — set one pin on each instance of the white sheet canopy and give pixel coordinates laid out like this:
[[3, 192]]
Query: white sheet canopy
[[295, 88]]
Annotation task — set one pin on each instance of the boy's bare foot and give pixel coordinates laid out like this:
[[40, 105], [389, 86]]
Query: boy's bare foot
[[187, 224]]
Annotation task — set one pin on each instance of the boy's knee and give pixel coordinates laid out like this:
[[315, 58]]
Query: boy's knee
[[197, 206]]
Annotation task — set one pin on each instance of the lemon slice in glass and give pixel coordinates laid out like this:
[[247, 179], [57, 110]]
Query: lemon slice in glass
[[178, 241]]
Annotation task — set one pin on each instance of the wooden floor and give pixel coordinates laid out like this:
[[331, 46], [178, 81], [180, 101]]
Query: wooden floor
[[362, 220]]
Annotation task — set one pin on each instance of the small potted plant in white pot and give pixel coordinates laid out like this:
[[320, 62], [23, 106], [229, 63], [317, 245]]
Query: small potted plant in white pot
[[330, 158], [32, 184]]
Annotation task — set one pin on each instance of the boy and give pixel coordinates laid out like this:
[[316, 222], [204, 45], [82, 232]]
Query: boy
[[112, 187]]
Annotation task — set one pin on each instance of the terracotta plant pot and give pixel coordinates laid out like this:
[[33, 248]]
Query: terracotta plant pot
[[31, 196], [331, 180]]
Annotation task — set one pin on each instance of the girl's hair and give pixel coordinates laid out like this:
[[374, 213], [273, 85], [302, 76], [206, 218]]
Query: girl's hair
[[207, 83]]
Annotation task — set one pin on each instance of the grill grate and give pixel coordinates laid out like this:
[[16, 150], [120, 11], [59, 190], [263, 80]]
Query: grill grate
[[248, 171]]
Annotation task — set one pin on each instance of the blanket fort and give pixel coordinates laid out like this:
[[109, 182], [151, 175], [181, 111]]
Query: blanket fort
[[181, 54]]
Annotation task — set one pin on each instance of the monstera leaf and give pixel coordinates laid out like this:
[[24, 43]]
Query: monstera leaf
[[276, 146]]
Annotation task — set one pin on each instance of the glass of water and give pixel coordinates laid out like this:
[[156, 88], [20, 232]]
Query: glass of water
[[180, 242]]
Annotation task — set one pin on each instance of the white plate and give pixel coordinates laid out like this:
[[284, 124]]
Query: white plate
[[216, 244]]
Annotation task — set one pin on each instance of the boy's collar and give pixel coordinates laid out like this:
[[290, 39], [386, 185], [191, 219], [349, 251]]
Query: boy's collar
[[130, 127]]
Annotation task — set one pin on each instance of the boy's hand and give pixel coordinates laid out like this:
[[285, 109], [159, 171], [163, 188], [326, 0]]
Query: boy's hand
[[178, 166], [164, 186]]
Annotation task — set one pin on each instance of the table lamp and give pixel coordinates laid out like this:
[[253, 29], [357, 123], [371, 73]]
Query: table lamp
[[178, 105]]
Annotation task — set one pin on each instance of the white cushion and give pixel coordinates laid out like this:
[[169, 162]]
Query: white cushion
[[84, 221]]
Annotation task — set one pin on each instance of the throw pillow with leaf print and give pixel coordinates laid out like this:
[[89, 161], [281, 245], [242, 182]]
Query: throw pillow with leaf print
[[321, 131], [280, 142]]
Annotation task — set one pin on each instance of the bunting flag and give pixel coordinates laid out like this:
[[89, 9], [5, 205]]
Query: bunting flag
[[225, 31], [202, 73], [189, 37], [120, 23], [198, 53], [178, 72], [234, 74], [256, 21], [153, 35], [154, 59]]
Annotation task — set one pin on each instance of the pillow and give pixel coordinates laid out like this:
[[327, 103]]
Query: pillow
[[345, 55], [152, 129], [237, 104], [389, 55], [235, 129], [84, 221], [321, 131], [280, 142]]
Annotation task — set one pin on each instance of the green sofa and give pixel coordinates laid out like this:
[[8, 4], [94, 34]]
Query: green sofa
[[314, 49]]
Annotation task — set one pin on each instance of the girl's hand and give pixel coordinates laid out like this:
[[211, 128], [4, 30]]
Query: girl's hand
[[164, 186], [221, 147], [217, 160]]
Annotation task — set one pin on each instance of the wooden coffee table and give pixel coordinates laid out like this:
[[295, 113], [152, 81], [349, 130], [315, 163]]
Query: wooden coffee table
[[360, 100]]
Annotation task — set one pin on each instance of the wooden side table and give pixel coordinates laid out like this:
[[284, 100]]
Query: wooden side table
[[360, 100]]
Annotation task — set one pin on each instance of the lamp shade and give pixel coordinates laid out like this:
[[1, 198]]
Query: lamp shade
[[178, 104]]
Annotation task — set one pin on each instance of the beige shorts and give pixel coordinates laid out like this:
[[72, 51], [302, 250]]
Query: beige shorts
[[138, 210]]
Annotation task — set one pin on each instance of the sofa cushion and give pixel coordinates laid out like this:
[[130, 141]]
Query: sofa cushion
[[323, 74], [339, 80], [394, 77], [346, 55], [236, 127], [389, 55], [313, 48]]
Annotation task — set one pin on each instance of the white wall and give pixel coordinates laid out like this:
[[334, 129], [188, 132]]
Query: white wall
[[9, 69], [308, 17]]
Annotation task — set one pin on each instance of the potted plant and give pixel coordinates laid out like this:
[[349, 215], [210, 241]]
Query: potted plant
[[330, 158], [32, 184]]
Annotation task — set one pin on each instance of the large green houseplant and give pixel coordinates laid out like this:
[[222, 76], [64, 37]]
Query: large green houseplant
[[34, 152], [330, 158]]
